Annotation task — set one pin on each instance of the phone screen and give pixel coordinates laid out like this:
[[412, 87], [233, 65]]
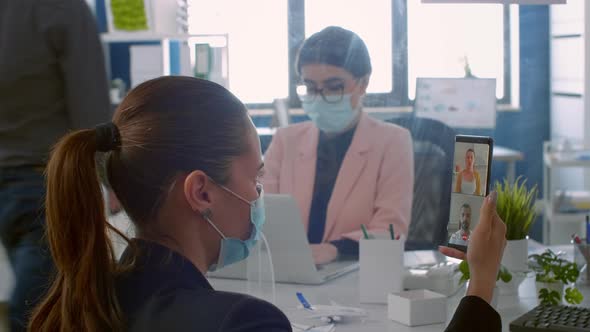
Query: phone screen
[[471, 177]]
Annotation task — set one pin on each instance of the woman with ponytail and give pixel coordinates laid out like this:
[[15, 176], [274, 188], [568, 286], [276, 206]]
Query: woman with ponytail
[[184, 159]]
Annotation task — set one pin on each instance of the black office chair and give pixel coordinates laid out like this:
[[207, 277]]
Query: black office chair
[[434, 146]]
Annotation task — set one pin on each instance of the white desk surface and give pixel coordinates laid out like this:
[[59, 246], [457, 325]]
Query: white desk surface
[[344, 291]]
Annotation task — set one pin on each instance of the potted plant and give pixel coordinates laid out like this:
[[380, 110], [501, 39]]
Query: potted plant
[[515, 206], [503, 274], [553, 273]]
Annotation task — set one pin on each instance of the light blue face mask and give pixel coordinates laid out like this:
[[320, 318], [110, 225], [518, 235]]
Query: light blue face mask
[[330, 117], [234, 250]]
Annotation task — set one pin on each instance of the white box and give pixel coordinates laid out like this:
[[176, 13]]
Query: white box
[[417, 307], [381, 269], [446, 284]]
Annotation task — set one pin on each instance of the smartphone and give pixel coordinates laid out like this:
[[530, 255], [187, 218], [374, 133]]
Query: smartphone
[[472, 165]]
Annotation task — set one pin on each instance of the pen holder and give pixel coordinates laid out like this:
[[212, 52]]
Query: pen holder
[[582, 258], [381, 268]]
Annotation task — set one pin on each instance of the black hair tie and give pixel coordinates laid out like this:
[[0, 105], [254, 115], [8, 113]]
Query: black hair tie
[[107, 137]]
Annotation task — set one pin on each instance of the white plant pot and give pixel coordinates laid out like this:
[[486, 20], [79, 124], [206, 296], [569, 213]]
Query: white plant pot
[[553, 286], [515, 259], [511, 288], [516, 255]]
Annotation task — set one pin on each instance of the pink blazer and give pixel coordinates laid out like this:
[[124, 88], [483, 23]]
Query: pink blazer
[[374, 185]]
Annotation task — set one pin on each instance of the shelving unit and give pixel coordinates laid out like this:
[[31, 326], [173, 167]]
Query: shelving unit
[[121, 37], [178, 54], [570, 113], [558, 227]]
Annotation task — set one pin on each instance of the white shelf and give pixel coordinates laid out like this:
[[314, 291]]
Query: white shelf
[[119, 37], [555, 217], [552, 162]]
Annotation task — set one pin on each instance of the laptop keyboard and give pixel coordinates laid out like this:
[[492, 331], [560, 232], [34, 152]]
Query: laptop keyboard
[[328, 270]]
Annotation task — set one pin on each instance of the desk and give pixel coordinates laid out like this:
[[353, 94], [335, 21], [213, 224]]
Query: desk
[[344, 290]]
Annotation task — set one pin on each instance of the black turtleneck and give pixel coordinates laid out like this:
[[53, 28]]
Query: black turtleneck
[[331, 151]]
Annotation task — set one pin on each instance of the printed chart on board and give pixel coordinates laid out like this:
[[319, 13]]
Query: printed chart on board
[[457, 102]]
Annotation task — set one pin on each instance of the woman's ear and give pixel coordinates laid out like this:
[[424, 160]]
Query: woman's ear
[[197, 191]]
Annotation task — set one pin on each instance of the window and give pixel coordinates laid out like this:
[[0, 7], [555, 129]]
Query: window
[[371, 20], [442, 36], [257, 46], [406, 39]]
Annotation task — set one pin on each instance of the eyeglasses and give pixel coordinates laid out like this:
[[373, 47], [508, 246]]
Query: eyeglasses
[[331, 94]]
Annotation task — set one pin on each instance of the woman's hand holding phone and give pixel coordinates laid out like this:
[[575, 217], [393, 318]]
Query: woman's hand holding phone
[[486, 248]]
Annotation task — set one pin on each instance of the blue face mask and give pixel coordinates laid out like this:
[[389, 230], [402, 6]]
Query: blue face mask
[[330, 117], [234, 250]]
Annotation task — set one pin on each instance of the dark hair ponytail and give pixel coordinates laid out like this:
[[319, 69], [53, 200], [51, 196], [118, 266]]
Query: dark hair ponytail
[[82, 297]]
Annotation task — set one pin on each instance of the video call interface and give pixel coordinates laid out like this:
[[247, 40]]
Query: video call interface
[[469, 190]]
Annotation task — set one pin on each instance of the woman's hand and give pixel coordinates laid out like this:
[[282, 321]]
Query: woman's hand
[[324, 253], [457, 169], [486, 247]]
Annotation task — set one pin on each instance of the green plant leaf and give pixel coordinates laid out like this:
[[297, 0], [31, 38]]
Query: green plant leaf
[[464, 269], [504, 274], [551, 268], [548, 297], [573, 295]]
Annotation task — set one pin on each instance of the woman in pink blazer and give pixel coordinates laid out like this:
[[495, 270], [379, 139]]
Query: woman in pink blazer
[[344, 168]]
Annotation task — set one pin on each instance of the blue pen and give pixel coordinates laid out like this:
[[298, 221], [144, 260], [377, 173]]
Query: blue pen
[[587, 229], [303, 301]]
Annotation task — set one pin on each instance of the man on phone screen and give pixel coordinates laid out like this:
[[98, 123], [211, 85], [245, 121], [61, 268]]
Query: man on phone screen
[[461, 237]]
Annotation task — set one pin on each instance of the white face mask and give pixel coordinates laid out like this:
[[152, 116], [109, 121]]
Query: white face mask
[[331, 117]]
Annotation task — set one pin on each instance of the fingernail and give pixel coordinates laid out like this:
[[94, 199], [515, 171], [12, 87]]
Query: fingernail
[[493, 197]]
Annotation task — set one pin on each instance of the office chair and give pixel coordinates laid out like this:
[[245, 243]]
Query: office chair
[[434, 145]]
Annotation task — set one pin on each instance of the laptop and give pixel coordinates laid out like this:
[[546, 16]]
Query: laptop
[[289, 247]]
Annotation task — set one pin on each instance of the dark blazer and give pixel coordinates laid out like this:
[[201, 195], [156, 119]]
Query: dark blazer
[[166, 292], [52, 77], [475, 314]]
